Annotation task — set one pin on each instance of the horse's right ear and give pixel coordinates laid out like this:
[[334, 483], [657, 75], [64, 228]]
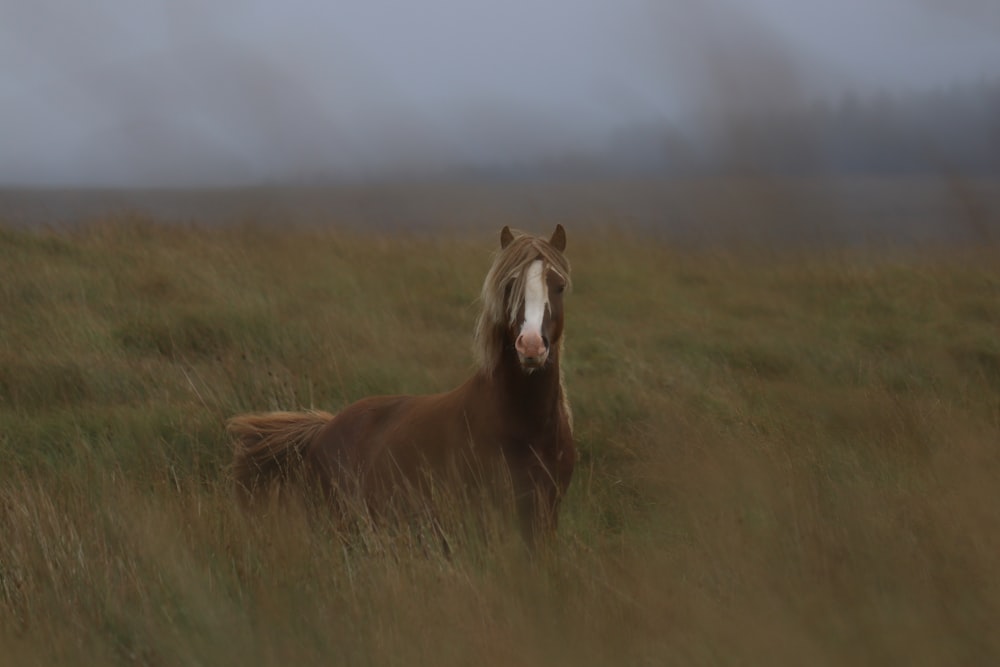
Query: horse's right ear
[[558, 240], [505, 237]]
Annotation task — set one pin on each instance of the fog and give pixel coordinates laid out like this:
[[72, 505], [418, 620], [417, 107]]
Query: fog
[[179, 93]]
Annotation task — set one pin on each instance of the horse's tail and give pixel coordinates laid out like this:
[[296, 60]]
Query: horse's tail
[[269, 447]]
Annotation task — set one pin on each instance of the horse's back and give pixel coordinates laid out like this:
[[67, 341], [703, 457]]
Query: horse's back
[[383, 437]]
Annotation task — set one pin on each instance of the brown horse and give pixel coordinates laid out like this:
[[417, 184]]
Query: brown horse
[[510, 421]]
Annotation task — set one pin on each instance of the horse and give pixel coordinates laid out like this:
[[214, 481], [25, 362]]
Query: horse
[[510, 423]]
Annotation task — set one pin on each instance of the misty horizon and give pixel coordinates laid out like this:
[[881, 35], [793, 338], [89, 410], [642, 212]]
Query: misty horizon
[[181, 94]]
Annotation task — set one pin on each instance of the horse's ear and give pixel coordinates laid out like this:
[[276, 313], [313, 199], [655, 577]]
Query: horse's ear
[[558, 240], [505, 237]]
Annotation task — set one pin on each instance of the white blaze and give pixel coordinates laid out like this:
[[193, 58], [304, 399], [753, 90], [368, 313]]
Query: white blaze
[[535, 299]]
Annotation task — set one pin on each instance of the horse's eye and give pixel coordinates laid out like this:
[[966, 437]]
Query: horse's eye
[[560, 289]]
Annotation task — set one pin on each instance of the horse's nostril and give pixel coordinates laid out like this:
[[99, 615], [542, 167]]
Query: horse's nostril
[[545, 342]]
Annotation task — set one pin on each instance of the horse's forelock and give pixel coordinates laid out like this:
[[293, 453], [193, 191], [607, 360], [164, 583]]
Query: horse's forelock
[[509, 269]]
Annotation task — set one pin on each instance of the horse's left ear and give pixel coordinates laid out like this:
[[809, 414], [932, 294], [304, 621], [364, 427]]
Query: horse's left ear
[[558, 240]]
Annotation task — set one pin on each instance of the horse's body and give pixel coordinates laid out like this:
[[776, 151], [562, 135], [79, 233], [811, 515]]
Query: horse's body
[[509, 423]]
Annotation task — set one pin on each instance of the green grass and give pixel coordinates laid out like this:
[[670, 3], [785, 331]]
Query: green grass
[[786, 457]]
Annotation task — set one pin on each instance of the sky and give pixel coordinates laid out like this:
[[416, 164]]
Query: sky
[[223, 92]]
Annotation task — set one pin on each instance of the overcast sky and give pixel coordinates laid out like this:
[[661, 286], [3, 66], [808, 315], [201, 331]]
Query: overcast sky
[[125, 92]]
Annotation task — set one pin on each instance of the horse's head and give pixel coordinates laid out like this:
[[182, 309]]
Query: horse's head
[[523, 299]]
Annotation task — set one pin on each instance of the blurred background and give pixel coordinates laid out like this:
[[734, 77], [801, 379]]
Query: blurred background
[[762, 119]]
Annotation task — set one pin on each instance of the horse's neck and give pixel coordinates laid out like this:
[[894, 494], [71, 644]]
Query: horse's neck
[[533, 398]]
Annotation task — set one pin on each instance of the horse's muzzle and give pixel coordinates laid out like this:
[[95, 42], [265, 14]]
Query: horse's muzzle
[[532, 350]]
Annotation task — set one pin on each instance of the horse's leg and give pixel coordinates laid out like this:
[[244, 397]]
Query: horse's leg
[[537, 509]]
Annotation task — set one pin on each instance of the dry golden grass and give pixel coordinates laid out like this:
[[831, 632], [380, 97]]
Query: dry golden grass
[[785, 458]]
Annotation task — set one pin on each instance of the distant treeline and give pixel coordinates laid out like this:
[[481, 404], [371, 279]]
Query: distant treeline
[[952, 130], [956, 129]]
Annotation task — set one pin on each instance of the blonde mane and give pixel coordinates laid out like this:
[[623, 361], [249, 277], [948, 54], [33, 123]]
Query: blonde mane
[[509, 271]]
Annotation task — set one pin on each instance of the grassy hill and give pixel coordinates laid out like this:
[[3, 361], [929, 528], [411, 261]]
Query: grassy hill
[[787, 457]]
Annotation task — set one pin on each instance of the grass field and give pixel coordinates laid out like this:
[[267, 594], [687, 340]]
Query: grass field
[[786, 457]]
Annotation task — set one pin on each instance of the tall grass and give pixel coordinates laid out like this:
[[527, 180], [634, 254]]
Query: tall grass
[[785, 458]]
